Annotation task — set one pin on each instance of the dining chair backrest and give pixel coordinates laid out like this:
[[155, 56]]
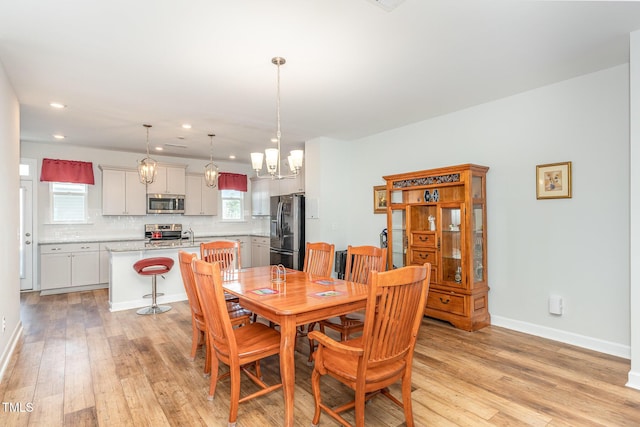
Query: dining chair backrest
[[397, 298], [184, 259], [208, 280], [363, 259], [318, 259], [225, 252]]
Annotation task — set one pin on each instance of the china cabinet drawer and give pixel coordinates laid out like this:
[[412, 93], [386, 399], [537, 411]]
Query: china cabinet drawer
[[445, 301], [424, 238], [420, 256]]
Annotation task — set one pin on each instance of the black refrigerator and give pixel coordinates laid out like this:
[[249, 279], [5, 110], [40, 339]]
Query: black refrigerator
[[287, 231]]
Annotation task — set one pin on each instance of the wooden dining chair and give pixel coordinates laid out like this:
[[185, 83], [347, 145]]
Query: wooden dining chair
[[227, 253], [235, 347], [361, 260], [383, 354], [237, 314], [318, 259]]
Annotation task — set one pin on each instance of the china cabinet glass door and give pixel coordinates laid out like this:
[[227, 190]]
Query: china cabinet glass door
[[451, 244], [478, 242], [399, 239]]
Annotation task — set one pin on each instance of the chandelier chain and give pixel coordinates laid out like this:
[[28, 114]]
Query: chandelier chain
[[274, 155], [278, 134]]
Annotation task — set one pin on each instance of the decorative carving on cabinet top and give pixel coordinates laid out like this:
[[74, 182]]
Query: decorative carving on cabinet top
[[428, 180]]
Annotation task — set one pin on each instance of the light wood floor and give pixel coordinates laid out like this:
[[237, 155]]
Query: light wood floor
[[78, 364]]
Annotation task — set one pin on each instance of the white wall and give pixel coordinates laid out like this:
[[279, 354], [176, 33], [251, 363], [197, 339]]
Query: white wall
[[634, 158], [577, 248], [9, 218], [126, 226]]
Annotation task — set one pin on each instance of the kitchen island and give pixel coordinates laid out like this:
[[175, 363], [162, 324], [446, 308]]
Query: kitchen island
[[126, 287]]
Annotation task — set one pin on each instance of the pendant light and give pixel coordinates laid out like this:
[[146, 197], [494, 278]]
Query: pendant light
[[272, 155], [147, 167], [211, 169]]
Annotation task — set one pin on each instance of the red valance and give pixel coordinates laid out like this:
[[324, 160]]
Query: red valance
[[232, 181], [56, 170]]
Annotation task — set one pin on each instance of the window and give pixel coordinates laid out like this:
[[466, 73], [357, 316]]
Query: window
[[68, 202], [232, 205]]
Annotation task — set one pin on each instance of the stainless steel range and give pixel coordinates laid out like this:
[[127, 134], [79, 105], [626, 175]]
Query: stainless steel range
[[163, 234]]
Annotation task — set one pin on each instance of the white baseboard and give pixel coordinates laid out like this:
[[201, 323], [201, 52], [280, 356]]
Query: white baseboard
[[73, 289], [145, 302], [634, 380], [583, 341], [11, 347]]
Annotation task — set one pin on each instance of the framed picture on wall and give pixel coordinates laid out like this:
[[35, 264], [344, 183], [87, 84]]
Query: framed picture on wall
[[380, 199], [553, 181]]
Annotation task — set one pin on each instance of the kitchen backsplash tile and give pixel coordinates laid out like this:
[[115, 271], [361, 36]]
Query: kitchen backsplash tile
[[132, 227]]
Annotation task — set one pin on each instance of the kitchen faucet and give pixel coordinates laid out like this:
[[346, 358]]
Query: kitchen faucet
[[191, 235]]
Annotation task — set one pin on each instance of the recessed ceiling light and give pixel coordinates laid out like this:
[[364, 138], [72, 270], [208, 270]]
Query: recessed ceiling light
[[387, 5], [159, 148], [57, 105], [58, 136], [274, 140], [186, 126], [232, 156]]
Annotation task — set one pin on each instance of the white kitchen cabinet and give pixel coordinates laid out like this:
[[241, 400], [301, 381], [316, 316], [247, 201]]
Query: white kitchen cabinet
[[260, 251], [200, 199], [169, 180], [279, 187], [260, 193], [104, 264], [293, 185], [122, 192], [104, 255], [245, 250], [70, 264]]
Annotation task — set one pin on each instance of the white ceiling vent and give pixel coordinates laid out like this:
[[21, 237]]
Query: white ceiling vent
[[387, 5]]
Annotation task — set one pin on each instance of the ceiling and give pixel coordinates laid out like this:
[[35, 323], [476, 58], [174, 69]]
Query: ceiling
[[353, 68]]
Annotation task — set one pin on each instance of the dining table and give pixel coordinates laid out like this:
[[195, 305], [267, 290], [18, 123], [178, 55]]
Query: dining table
[[291, 298]]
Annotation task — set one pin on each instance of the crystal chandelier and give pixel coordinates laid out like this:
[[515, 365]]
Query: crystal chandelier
[[211, 169], [272, 155], [147, 167]]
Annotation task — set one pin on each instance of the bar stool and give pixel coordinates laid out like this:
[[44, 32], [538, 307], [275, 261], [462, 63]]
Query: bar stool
[[153, 267]]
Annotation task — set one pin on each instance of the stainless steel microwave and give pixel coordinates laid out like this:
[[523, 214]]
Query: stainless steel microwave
[[165, 203]]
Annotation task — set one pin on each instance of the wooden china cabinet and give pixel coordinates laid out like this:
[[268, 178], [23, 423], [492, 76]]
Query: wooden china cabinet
[[439, 216]]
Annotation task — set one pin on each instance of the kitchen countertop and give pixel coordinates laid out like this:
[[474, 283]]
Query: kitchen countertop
[[137, 240], [144, 246]]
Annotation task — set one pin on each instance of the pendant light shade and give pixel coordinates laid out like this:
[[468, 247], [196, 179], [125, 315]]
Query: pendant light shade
[[272, 156], [147, 167], [211, 169]]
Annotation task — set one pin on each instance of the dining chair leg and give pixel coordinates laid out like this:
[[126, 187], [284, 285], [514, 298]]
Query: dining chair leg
[[406, 398], [360, 401], [315, 387], [213, 363], [312, 345], [258, 371], [235, 395], [195, 341], [207, 357]]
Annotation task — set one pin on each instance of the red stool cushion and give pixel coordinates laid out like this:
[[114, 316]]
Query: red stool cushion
[[151, 266]]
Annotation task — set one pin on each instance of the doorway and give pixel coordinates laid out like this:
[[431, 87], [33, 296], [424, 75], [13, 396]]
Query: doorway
[[27, 243]]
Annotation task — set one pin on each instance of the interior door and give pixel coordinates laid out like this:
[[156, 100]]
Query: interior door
[[27, 246]]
